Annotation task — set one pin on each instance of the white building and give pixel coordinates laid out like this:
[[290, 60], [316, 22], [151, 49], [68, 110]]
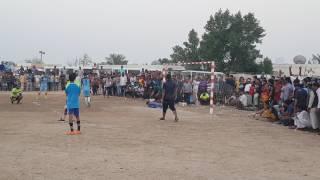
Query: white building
[[306, 69]]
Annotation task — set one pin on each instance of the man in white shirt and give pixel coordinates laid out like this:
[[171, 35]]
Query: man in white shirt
[[123, 84], [247, 86], [318, 94], [243, 100], [312, 106]]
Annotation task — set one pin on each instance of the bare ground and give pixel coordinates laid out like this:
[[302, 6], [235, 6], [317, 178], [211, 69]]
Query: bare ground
[[123, 139]]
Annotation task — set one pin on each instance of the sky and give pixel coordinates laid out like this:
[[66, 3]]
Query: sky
[[144, 30]]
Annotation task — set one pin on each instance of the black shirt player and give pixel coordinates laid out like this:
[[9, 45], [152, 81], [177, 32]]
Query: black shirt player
[[169, 95]]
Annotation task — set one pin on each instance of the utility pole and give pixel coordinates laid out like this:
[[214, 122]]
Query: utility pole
[[41, 54]]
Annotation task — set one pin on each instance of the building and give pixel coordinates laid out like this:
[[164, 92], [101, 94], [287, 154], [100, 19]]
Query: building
[[310, 70]]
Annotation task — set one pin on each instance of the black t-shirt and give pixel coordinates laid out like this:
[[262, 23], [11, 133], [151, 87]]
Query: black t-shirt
[[230, 82], [170, 90]]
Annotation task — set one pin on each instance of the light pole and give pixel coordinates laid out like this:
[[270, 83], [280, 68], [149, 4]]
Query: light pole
[[41, 53]]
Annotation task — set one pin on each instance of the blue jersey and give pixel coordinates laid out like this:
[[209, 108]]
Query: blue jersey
[[86, 87], [73, 93], [44, 80], [86, 84]]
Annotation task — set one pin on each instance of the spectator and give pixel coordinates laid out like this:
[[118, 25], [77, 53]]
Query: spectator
[[300, 96], [287, 90], [123, 84], [187, 91], [286, 113], [313, 104]]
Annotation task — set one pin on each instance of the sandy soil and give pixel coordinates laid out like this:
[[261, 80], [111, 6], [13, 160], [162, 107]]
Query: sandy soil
[[123, 139]]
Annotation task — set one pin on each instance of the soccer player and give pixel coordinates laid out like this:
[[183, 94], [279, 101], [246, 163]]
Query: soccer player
[[73, 92], [43, 85], [169, 95], [86, 90]]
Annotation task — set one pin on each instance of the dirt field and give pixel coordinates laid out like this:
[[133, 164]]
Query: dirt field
[[123, 139]]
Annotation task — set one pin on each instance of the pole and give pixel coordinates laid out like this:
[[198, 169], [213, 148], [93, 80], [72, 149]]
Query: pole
[[212, 87], [41, 53]]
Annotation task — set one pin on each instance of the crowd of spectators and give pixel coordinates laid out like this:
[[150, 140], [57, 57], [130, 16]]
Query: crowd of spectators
[[284, 100], [287, 101]]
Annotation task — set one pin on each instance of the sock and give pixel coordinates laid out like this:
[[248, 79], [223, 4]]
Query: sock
[[89, 99], [71, 126], [78, 123]]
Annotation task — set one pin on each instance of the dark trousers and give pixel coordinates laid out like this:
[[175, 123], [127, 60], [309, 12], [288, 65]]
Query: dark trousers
[[187, 98]]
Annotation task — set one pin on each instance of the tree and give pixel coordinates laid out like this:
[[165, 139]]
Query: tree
[[230, 40], [84, 61], [266, 66], [178, 55], [189, 52], [34, 61], [161, 61], [192, 47], [116, 59]]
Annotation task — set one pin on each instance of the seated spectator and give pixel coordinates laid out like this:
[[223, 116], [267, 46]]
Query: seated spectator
[[302, 120], [232, 101], [16, 94], [242, 101], [286, 113], [204, 98]]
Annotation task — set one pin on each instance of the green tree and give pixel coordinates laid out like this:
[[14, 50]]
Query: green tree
[[189, 52], [161, 61], [116, 59], [192, 47], [266, 66], [230, 40], [178, 55]]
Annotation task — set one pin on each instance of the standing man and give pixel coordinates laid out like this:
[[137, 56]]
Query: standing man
[[169, 94], [22, 80], [63, 81], [86, 90], [313, 104], [123, 84]]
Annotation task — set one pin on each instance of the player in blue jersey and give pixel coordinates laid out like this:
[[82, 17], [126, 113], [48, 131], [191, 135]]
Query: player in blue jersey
[[86, 90], [43, 85], [73, 103]]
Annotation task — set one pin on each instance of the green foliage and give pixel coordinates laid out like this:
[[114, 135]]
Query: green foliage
[[161, 61], [266, 66], [116, 59], [189, 52], [230, 40]]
